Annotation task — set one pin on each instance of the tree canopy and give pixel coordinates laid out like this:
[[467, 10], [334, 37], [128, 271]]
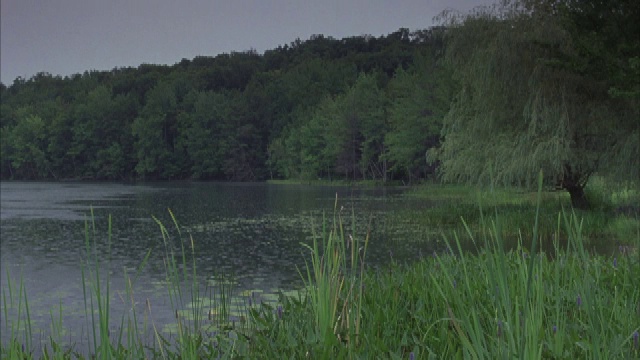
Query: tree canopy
[[240, 116], [494, 95], [542, 87]]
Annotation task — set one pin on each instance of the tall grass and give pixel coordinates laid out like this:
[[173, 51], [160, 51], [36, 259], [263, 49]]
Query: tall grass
[[200, 321], [500, 302], [334, 282], [187, 337], [125, 336], [96, 294], [15, 305], [524, 302], [614, 216]]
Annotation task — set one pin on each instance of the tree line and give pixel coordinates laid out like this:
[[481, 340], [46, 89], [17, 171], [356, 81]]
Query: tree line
[[239, 116], [494, 95]]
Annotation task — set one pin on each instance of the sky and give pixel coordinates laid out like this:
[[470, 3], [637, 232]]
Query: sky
[[64, 37]]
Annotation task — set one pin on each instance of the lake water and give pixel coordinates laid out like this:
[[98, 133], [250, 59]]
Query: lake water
[[252, 231]]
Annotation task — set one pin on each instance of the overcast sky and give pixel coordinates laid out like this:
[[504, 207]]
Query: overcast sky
[[64, 37]]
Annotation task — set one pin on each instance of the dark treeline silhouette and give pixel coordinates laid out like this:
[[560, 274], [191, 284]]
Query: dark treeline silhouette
[[495, 95], [323, 107]]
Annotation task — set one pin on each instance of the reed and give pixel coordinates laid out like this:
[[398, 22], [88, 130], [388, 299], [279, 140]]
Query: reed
[[15, 305], [123, 337], [526, 301], [334, 282], [521, 302]]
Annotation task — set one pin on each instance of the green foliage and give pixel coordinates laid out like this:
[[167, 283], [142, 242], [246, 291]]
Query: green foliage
[[155, 132], [606, 41], [239, 116], [202, 134], [530, 99], [366, 122], [101, 140], [611, 220], [26, 145], [334, 283], [344, 136], [524, 85], [319, 146], [493, 302], [420, 99]]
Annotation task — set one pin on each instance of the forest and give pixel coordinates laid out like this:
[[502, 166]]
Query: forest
[[494, 95]]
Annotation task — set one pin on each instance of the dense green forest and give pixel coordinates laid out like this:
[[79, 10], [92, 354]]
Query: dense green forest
[[322, 107], [493, 95]]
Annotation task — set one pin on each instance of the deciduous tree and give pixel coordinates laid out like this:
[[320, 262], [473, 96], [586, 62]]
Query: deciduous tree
[[526, 102]]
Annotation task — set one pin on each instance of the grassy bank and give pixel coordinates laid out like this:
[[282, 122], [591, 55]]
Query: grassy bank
[[567, 303], [527, 303], [614, 216], [524, 301]]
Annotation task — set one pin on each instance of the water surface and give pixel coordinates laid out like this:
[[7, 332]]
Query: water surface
[[252, 231]]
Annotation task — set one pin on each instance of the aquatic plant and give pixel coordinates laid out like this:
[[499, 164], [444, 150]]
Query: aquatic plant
[[496, 301], [334, 281]]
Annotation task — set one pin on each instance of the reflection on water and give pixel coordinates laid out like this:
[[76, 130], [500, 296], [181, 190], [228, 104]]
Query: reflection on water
[[252, 231], [35, 200]]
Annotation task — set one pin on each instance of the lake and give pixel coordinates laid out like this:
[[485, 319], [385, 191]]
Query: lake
[[251, 232]]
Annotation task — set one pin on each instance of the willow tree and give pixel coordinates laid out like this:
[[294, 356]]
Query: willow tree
[[532, 96]]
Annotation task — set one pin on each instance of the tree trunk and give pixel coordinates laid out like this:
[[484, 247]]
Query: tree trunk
[[574, 184], [578, 198]]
